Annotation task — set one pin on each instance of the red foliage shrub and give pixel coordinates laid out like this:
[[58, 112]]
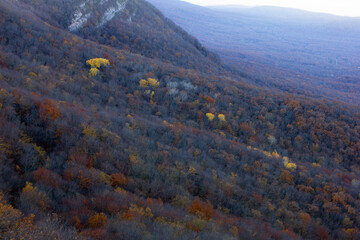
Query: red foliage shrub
[[119, 179], [47, 177]]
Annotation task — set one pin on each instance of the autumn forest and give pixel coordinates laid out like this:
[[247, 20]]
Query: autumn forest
[[115, 123]]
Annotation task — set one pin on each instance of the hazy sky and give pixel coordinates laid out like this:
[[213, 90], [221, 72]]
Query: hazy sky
[[338, 7]]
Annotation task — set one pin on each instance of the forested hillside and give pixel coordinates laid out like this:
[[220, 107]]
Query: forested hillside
[[103, 136], [138, 27]]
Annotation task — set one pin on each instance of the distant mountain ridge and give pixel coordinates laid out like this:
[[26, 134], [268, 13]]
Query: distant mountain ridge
[[275, 11], [293, 50]]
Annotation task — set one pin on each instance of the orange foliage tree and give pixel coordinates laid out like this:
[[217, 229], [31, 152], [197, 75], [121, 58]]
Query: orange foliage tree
[[98, 220], [202, 209]]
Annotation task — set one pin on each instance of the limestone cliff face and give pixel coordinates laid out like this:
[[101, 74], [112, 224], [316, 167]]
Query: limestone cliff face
[[105, 11]]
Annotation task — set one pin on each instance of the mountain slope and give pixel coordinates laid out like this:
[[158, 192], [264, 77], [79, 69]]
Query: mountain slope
[[148, 149], [133, 25]]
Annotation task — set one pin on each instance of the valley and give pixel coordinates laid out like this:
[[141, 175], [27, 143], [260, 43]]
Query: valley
[[296, 51]]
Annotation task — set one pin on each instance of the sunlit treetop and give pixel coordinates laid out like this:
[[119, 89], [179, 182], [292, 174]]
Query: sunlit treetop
[[95, 64], [222, 117], [143, 83], [93, 72], [150, 81], [210, 116], [153, 82], [288, 164], [98, 62]]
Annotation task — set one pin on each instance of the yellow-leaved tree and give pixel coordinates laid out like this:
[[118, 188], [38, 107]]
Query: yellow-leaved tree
[[210, 116], [222, 117], [153, 82], [93, 72], [149, 82], [98, 62], [95, 64], [143, 83], [288, 164]]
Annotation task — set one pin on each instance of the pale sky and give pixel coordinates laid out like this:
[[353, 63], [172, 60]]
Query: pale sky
[[337, 7]]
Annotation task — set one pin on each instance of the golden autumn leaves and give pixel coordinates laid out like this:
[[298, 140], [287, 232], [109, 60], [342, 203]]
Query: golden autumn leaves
[[93, 72], [95, 64], [286, 161], [150, 82], [211, 117], [288, 164]]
